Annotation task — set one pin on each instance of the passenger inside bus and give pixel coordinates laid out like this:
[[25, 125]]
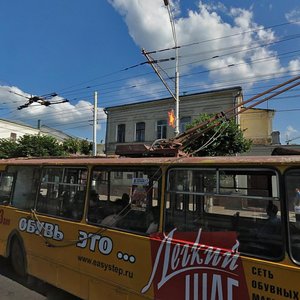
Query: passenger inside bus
[[153, 226], [120, 208], [272, 225], [94, 207]]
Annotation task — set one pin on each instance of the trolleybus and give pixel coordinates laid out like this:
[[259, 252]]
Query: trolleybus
[[155, 228]]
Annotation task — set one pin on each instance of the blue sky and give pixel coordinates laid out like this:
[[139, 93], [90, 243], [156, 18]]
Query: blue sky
[[74, 48]]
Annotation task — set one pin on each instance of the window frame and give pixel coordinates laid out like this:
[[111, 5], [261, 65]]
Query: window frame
[[121, 132], [155, 183], [140, 131], [63, 198], [161, 129], [296, 260], [183, 123], [203, 213]]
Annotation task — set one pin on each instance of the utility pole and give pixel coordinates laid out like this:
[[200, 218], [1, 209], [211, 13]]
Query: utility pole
[[152, 63], [177, 130], [95, 125]]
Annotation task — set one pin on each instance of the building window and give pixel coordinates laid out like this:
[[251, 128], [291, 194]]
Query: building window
[[121, 133], [161, 129], [13, 136], [183, 122], [140, 132]]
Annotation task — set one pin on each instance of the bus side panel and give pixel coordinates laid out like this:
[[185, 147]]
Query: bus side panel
[[271, 280], [50, 244], [7, 225], [117, 264]]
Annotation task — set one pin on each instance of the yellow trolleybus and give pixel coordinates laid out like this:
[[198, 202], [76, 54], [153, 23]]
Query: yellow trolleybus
[[155, 228]]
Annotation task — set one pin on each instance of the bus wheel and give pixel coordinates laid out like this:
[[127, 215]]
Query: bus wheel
[[17, 257]]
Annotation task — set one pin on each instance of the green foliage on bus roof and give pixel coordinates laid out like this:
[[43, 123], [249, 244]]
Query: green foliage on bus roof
[[217, 138]]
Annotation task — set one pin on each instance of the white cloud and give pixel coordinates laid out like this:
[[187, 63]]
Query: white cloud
[[294, 66], [149, 25], [290, 134], [54, 115], [293, 15], [147, 21]]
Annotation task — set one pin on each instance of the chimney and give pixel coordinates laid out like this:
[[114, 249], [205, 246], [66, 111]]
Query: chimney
[[275, 138]]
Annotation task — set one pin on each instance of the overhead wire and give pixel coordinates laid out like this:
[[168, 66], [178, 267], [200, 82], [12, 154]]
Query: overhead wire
[[135, 76], [151, 73]]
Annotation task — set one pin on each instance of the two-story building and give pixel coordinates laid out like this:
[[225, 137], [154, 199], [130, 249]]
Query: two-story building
[[145, 122]]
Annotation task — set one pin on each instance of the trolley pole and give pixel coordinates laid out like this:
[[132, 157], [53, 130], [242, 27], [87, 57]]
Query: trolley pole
[[95, 125]]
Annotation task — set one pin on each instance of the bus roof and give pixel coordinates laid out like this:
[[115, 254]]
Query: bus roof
[[221, 160]]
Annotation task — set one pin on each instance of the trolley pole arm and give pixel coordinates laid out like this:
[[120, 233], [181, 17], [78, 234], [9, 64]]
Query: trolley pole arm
[[151, 63]]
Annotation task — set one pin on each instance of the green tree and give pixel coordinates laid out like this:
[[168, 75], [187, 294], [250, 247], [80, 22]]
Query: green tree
[[8, 148], [77, 146], [39, 145], [42, 145], [86, 147], [217, 138], [72, 145]]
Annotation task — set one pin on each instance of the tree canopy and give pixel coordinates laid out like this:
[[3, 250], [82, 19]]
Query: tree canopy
[[219, 138], [42, 145]]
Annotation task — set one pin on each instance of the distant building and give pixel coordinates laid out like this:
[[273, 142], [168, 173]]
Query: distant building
[[13, 130], [145, 122], [57, 134]]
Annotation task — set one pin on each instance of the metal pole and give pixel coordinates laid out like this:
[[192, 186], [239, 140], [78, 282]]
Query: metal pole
[[177, 129], [95, 125]]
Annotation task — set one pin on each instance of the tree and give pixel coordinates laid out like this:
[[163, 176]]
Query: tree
[[86, 147], [39, 145], [77, 146], [71, 145], [8, 148], [42, 145], [218, 138]]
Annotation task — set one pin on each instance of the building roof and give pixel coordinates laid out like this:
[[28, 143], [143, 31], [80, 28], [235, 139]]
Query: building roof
[[55, 133], [44, 129], [18, 123], [238, 88]]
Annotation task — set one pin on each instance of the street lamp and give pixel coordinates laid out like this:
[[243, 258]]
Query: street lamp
[[166, 2]]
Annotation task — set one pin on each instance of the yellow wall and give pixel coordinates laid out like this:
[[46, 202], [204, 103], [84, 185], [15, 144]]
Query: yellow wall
[[258, 125]]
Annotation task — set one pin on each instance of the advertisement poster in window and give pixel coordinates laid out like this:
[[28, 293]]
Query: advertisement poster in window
[[139, 190]]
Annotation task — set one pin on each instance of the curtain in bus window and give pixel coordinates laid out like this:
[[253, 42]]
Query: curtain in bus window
[[292, 182], [62, 192], [125, 198], [25, 187]]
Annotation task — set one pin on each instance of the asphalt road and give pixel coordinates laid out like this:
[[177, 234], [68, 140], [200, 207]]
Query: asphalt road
[[13, 287]]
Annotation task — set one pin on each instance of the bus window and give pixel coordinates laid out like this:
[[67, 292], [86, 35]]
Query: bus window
[[184, 199], [62, 192], [6, 185], [242, 201], [25, 187], [125, 198], [292, 181]]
